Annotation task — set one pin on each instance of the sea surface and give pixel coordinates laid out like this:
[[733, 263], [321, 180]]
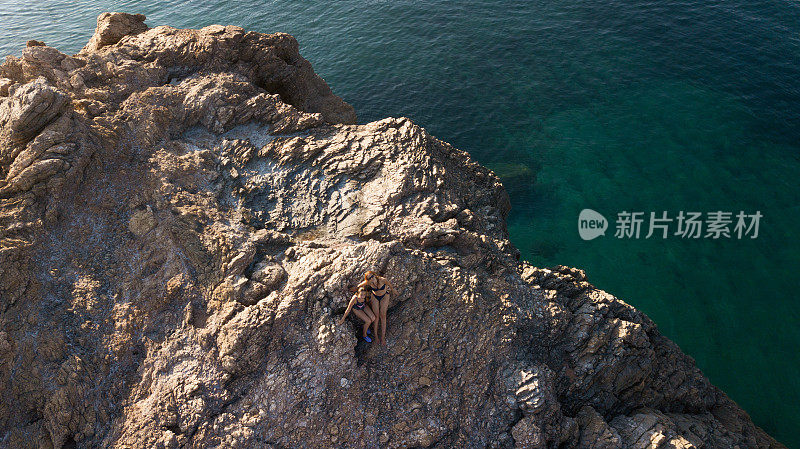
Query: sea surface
[[618, 106]]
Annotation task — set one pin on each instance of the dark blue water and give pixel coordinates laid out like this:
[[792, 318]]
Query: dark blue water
[[640, 106]]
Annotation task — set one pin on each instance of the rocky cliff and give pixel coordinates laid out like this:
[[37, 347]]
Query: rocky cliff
[[182, 214]]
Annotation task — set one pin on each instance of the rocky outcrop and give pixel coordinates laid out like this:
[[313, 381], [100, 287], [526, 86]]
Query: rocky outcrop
[[182, 214], [111, 27]]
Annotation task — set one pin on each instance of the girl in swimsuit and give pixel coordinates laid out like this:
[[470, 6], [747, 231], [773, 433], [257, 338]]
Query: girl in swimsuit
[[381, 292], [358, 305]]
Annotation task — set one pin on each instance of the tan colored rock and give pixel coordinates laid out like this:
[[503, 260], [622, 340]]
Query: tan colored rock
[[142, 221], [527, 435], [5, 83], [595, 433], [29, 108], [182, 215], [113, 26]]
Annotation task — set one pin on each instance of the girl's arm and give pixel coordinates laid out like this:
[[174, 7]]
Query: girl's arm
[[349, 306]]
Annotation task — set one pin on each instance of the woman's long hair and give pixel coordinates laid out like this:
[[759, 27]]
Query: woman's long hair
[[367, 287], [370, 272]]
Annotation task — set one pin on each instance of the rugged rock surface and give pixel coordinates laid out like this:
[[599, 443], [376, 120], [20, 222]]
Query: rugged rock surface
[[182, 213]]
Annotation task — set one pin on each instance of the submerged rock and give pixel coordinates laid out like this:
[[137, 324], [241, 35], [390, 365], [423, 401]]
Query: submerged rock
[[182, 214]]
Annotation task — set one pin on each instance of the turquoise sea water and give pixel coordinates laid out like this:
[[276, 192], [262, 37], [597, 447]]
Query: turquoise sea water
[[641, 105]]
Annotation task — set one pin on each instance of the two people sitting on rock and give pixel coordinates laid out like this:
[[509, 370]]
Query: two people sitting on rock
[[378, 291]]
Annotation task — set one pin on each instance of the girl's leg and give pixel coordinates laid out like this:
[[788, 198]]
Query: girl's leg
[[365, 318], [384, 306], [370, 313], [373, 304], [371, 316]]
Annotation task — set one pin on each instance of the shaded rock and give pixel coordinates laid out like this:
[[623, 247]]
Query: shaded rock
[[527, 435], [142, 221], [269, 274], [5, 83], [595, 433]]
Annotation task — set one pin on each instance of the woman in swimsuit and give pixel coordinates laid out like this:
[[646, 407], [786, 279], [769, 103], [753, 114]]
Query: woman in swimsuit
[[359, 306], [381, 291]]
